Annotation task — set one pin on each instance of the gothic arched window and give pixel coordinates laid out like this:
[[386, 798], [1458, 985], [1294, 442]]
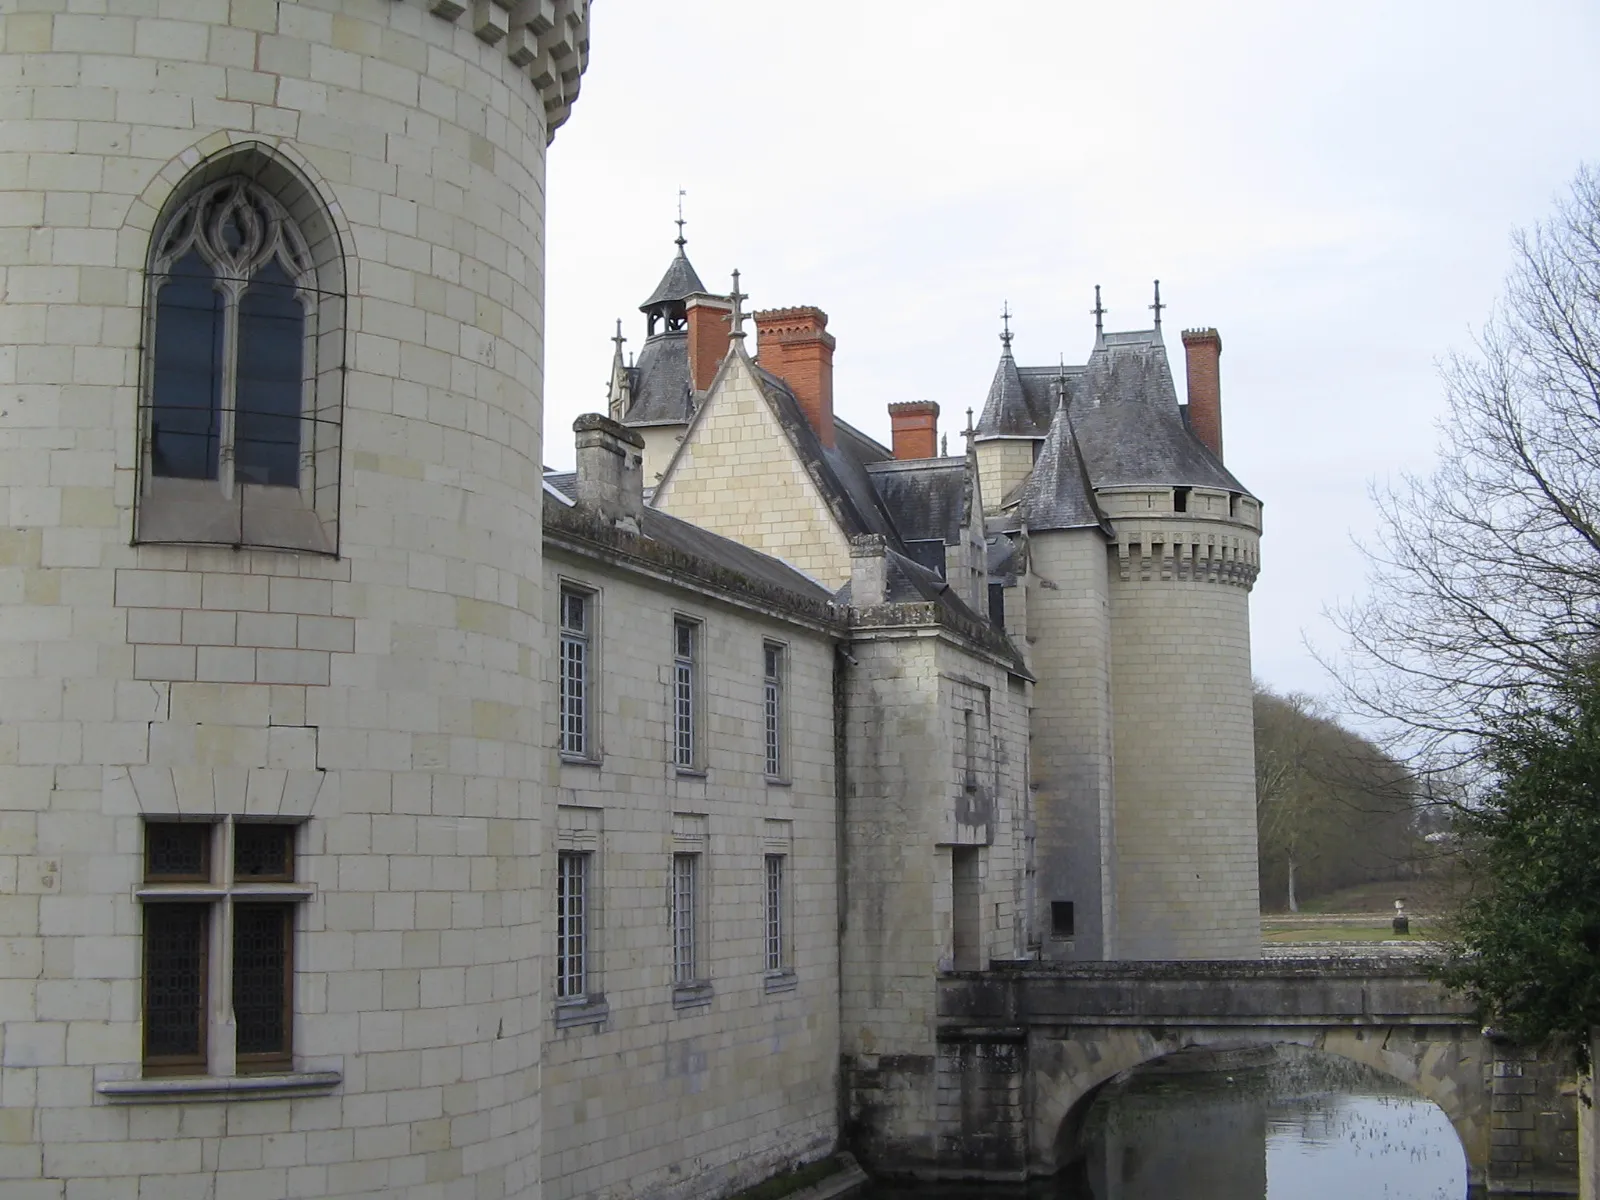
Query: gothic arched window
[[241, 407]]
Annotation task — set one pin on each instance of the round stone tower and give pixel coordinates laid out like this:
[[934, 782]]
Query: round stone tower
[[270, 424]]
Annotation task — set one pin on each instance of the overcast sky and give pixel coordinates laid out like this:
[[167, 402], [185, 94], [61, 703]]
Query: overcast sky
[[1333, 186]]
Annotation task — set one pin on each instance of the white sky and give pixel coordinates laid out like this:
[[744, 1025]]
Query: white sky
[[1332, 186]]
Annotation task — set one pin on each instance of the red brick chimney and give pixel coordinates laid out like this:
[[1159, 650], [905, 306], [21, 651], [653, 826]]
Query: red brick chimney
[[916, 429], [795, 345], [1203, 349], [707, 318]]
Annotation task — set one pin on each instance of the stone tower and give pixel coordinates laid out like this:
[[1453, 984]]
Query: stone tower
[[273, 279], [1142, 548]]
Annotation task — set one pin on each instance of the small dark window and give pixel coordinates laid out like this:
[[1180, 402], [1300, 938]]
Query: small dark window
[[1062, 922], [997, 605], [1180, 499], [271, 350], [177, 852], [263, 852], [186, 412]]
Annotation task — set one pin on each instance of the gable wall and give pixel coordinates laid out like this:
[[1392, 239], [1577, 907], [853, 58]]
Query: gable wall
[[740, 477]]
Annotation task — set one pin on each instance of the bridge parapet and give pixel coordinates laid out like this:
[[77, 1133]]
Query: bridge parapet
[[1022, 1050]]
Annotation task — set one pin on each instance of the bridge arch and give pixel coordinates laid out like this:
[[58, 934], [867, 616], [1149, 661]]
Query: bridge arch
[[1441, 1065]]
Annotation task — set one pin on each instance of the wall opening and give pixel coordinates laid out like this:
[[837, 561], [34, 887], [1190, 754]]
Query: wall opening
[[1180, 499], [966, 912], [1063, 920]]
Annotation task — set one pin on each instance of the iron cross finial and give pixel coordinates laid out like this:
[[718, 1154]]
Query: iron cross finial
[[1005, 330], [681, 240], [736, 318], [1158, 306], [1099, 312]]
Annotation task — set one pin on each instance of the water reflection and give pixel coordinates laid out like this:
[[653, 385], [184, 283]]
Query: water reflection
[[1288, 1127]]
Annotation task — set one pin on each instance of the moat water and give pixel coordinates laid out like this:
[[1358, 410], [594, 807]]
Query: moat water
[[1298, 1127]]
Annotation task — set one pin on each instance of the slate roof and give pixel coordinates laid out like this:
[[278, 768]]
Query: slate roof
[[659, 381], [703, 545], [678, 284], [1057, 493], [926, 497], [1012, 409]]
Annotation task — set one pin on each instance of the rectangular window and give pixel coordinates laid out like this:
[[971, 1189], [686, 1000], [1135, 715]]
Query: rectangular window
[[574, 669], [969, 751], [777, 934], [685, 686], [572, 925], [685, 911], [191, 893], [772, 686]]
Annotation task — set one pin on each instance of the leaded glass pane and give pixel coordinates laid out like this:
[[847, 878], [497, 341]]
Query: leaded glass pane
[[270, 379], [174, 982], [177, 851], [261, 975], [186, 400], [572, 924], [263, 852]]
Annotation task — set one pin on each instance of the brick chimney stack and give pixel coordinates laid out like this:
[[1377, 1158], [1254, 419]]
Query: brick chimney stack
[[795, 345], [915, 425], [1203, 349], [707, 318]]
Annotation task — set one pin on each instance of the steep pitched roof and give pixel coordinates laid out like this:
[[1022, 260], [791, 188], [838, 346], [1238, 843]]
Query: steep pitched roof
[[926, 497], [1057, 493], [1010, 411], [1129, 428], [678, 284], [660, 381]]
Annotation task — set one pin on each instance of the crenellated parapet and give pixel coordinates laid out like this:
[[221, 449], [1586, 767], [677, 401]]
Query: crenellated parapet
[[1192, 553], [548, 38]]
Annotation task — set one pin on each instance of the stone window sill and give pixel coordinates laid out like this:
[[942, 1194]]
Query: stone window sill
[[779, 781], [691, 995], [781, 981], [691, 772], [578, 760], [196, 1088], [573, 1014]]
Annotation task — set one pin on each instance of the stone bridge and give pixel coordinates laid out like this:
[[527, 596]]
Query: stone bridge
[[1022, 1053]]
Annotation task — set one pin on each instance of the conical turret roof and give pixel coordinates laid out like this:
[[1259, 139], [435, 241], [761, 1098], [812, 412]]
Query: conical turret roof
[[677, 285], [1007, 412], [1057, 493]]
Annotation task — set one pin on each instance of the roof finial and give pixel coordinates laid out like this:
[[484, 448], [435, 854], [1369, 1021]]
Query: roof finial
[[969, 431], [681, 240], [1005, 330], [1061, 382], [944, 445], [736, 318], [1158, 306], [1099, 312], [619, 339]]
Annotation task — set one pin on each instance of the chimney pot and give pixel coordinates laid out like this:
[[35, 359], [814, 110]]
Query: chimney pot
[[795, 345], [915, 426], [610, 470], [1203, 352]]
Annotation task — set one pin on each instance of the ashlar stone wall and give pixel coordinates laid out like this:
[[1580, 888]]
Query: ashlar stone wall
[[386, 702], [694, 1092]]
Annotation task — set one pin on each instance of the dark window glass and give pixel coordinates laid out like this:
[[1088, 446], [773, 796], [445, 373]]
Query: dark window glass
[[1063, 921], [262, 977], [175, 986], [264, 852], [177, 851], [997, 604], [271, 350], [185, 422]]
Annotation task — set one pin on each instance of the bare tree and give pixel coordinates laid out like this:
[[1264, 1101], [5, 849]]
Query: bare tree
[[1486, 578]]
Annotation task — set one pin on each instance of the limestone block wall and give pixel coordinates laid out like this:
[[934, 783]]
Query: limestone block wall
[[1003, 463], [1184, 740], [739, 476], [660, 444], [1068, 610], [934, 853], [386, 701], [661, 1097]]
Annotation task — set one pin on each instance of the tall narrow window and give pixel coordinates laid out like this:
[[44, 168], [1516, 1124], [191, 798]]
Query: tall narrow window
[[244, 366], [572, 925], [772, 688], [685, 685], [574, 673], [777, 935], [252, 894], [685, 911], [969, 751]]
